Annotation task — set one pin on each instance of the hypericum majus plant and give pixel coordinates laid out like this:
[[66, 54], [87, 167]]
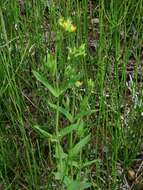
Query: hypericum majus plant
[[69, 161]]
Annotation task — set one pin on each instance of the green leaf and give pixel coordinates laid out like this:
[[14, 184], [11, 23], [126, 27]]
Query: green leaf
[[82, 165], [60, 152], [88, 163], [85, 185], [81, 130], [84, 103], [74, 163], [45, 133], [62, 176], [58, 175], [44, 81], [78, 147], [50, 64], [63, 111], [68, 129], [84, 113], [69, 84], [76, 185]]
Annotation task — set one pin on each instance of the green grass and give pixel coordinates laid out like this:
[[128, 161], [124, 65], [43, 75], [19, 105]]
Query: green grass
[[70, 113]]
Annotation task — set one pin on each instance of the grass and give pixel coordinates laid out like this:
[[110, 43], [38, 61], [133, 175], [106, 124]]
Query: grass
[[70, 94]]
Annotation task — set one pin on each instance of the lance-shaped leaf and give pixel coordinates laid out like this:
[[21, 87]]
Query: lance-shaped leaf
[[69, 84], [43, 80], [67, 130], [78, 147], [84, 113], [63, 111], [60, 154], [88, 163], [45, 133], [76, 185]]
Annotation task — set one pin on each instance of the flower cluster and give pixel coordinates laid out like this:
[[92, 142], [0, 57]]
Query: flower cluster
[[78, 84], [67, 25]]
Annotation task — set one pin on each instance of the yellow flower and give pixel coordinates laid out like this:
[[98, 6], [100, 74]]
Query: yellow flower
[[78, 83], [67, 25], [73, 28], [61, 20]]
